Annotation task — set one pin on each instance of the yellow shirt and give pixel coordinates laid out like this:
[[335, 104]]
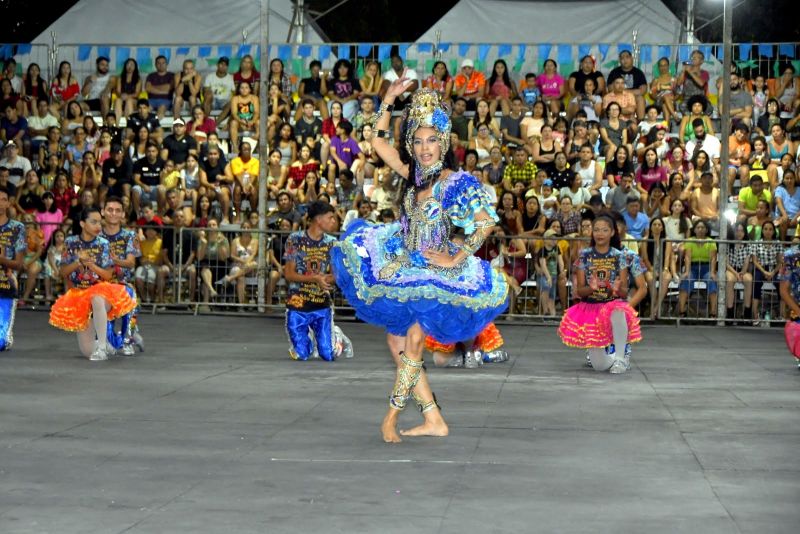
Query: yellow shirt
[[151, 250], [172, 180], [251, 167], [750, 200]]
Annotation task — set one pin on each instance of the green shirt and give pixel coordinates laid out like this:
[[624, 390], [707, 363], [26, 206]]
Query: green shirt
[[750, 200], [701, 252]]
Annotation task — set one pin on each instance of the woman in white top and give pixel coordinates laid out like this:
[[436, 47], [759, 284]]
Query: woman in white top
[[483, 144], [589, 170], [577, 193]]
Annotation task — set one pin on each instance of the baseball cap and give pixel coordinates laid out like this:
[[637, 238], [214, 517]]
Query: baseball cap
[[178, 121], [468, 63], [10, 144]]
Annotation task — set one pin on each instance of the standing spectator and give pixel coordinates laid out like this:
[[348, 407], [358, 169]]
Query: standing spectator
[[218, 89], [699, 265], [307, 270], [738, 270], [500, 89], [343, 87], [34, 87], [247, 72], [314, 88], [767, 255], [693, 79], [470, 84], [128, 87], [177, 257], [63, 90], [213, 251], [371, 83], [160, 86], [149, 263], [243, 260], [177, 146], [440, 81], [97, 88], [633, 79], [553, 87], [188, 85]]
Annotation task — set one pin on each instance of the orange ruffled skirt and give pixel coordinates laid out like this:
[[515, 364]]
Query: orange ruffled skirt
[[73, 310], [587, 325], [487, 340]]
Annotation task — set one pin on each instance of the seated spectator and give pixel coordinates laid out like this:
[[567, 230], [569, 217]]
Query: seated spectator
[[634, 81], [144, 117], [656, 203], [787, 204], [366, 171], [529, 91], [778, 146], [705, 202], [739, 154], [285, 211], [508, 210], [18, 166], [548, 200], [511, 125], [160, 86], [561, 175], [308, 128], [577, 193], [697, 106], [568, 215], [89, 176], [553, 87], [284, 143], [470, 84], [309, 189], [63, 89], [500, 89], [617, 198], [29, 194], [52, 262], [48, 216], [214, 184], [533, 220], [117, 177], [177, 257], [706, 141], [344, 151], [87, 199], [147, 186], [34, 87], [371, 84], [348, 193], [313, 88], [588, 101], [767, 256], [244, 114], [189, 185], [14, 128], [655, 139], [278, 109], [243, 260], [149, 263], [589, 171], [279, 77], [787, 92], [482, 144], [247, 72], [65, 196], [544, 151], [662, 89], [440, 81], [625, 98], [128, 87], [243, 171], [97, 88], [31, 262], [218, 89], [363, 210], [10, 98], [693, 80], [482, 117], [701, 163], [650, 172], [366, 116], [343, 87], [74, 119], [613, 131], [297, 171], [531, 127], [178, 145], [638, 223], [699, 265], [741, 111], [770, 117], [200, 123], [586, 71]]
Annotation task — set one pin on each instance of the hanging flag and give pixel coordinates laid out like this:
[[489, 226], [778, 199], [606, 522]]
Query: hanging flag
[[584, 50], [403, 50], [425, 48], [343, 52], [787, 49], [646, 54], [244, 49], [544, 52], [285, 52], [521, 51], [564, 53], [765, 50], [204, 51], [324, 52], [166, 52], [123, 54], [444, 47], [744, 51], [504, 50], [624, 47], [143, 55], [302, 50], [383, 52], [664, 51], [364, 49], [24, 49], [463, 49], [684, 52], [182, 51], [483, 51], [603, 49], [225, 50], [84, 51]]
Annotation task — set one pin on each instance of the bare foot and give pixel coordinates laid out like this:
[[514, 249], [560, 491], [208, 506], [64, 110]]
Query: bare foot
[[389, 431], [437, 429]]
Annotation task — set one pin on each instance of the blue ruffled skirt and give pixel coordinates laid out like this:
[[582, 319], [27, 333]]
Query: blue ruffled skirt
[[393, 288]]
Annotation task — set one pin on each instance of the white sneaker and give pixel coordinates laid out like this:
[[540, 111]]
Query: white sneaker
[[128, 349], [473, 359], [99, 352], [110, 350]]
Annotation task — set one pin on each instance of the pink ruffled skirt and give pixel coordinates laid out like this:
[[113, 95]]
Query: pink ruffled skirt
[[792, 332], [587, 325]]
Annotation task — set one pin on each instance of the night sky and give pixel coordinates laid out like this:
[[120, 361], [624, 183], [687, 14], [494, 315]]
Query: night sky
[[405, 20]]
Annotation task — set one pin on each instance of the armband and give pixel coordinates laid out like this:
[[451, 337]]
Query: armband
[[473, 241], [385, 107], [382, 134]]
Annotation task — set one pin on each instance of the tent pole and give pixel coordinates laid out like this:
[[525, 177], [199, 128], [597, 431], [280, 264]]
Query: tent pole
[[725, 130], [263, 155]]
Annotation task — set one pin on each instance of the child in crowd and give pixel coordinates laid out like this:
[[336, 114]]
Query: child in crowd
[[530, 93], [149, 262], [548, 200], [550, 266]]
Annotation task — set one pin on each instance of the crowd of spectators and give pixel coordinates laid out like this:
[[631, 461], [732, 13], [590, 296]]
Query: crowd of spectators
[[550, 149]]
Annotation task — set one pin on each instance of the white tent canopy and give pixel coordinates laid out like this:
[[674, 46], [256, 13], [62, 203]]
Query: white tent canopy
[[177, 22], [522, 21]]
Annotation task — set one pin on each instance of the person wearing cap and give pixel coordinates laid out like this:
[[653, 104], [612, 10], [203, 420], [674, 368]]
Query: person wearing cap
[[18, 166], [178, 145], [470, 84], [218, 89]]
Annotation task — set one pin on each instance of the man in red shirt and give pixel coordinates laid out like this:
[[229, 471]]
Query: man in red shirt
[[470, 84]]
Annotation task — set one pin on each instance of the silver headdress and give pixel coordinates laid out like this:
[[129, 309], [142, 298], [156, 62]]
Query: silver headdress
[[426, 110]]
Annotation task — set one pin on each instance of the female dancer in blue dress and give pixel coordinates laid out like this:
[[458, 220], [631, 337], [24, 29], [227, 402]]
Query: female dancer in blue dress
[[412, 277]]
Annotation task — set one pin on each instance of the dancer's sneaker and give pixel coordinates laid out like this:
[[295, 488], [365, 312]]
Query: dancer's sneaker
[[473, 359], [495, 356], [137, 339], [457, 360], [588, 360], [110, 350], [128, 349], [99, 352]]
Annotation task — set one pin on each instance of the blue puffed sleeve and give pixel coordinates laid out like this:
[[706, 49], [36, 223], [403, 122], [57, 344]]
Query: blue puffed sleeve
[[463, 197]]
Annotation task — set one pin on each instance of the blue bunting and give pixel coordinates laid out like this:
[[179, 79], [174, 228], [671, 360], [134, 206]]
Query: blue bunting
[[324, 52], [204, 51], [444, 47], [544, 51], [664, 51], [705, 50], [224, 51], [787, 50], [104, 51], [364, 49], [243, 50], [463, 49], [584, 50], [684, 52], [302, 50], [646, 54], [182, 51], [425, 48], [765, 50], [483, 51], [6, 51], [504, 50], [84, 51], [285, 52], [521, 51], [164, 51], [403, 50], [143, 55], [603, 48], [383, 52], [343, 52], [24, 49], [564, 53], [744, 51], [624, 47], [123, 53]]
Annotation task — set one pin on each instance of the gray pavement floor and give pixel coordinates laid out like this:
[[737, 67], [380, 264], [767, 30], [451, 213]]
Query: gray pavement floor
[[215, 429]]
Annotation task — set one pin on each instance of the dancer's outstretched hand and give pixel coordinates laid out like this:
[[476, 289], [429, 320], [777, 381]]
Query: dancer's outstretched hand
[[440, 259], [399, 86]]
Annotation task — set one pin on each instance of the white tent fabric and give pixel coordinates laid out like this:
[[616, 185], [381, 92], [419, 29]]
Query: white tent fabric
[[522, 21], [179, 22]]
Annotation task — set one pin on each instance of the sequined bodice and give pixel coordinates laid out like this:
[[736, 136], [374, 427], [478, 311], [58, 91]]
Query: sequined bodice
[[429, 225]]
